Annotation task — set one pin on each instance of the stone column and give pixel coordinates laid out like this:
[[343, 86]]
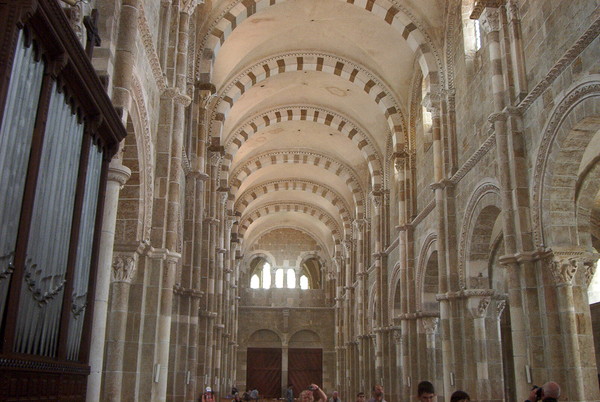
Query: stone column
[[490, 22], [478, 306], [117, 177], [123, 271], [516, 50], [443, 287]]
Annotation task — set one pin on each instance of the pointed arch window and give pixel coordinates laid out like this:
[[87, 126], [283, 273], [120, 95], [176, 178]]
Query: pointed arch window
[[255, 282], [304, 282], [266, 276]]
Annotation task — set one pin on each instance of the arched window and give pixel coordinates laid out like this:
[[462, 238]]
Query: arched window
[[254, 282], [594, 288], [291, 278], [303, 282], [279, 278], [477, 29], [266, 276]]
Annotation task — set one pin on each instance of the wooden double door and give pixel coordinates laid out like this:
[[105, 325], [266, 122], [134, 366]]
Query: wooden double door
[[266, 370]]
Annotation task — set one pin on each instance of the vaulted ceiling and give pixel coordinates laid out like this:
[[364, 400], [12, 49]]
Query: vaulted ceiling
[[312, 98]]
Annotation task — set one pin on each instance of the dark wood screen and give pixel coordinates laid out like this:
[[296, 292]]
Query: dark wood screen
[[264, 371], [305, 367]]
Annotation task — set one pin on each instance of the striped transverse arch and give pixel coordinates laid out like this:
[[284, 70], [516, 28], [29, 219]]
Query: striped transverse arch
[[291, 206], [306, 113], [298, 185], [322, 62], [305, 158], [397, 16]]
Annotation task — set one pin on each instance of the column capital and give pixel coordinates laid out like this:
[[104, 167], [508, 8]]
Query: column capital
[[565, 262], [118, 172], [429, 324], [480, 5], [490, 20]]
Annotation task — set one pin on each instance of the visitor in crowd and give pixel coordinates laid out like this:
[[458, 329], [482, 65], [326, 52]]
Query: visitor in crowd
[[254, 394], [360, 397], [460, 396], [550, 392], [289, 393], [425, 392], [335, 397], [313, 394], [246, 395], [208, 395], [377, 394]]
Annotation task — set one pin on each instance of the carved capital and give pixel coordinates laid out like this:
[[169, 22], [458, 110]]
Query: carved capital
[[513, 10], [118, 172], [490, 20], [430, 325], [478, 306], [123, 267]]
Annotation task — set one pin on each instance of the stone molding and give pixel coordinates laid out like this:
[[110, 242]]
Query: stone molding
[[423, 213], [481, 191], [475, 158], [574, 51], [148, 43], [564, 264], [148, 165], [559, 114], [490, 20]]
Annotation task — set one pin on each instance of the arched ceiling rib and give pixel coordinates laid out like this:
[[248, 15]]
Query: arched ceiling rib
[[302, 157], [320, 115], [311, 96]]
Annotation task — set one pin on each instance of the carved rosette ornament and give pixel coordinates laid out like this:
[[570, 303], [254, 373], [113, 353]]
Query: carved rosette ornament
[[123, 267]]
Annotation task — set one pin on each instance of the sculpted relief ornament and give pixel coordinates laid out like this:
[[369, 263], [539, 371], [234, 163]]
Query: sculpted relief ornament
[[564, 266], [123, 267]]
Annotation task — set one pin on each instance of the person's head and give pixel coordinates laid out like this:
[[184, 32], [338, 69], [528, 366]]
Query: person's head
[[335, 394], [306, 396], [425, 391], [360, 397], [460, 396], [377, 390], [550, 390]]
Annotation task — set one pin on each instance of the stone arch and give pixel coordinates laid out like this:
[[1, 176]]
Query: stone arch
[[305, 338], [425, 267], [319, 115], [394, 302], [392, 13], [141, 163], [251, 265], [372, 306], [303, 157], [570, 128], [322, 62], [324, 191], [264, 338], [316, 238], [483, 208], [291, 206]]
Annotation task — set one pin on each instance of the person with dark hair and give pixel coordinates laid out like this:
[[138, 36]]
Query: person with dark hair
[[360, 397], [460, 396], [377, 394], [308, 395], [289, 393], [425, 392], [550, 392]]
